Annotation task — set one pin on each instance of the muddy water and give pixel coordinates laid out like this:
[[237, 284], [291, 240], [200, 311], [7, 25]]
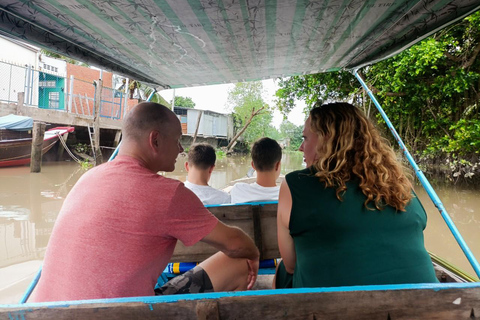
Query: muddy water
[[29, 204]]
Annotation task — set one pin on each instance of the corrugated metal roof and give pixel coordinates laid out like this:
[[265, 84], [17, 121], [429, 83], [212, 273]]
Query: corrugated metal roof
[[177, 43]]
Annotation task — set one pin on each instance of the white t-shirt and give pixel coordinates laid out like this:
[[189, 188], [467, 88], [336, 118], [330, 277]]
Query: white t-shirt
[[253, 192], [207, 194]]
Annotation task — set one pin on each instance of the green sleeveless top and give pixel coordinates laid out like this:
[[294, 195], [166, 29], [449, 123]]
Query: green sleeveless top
[[341, 243]]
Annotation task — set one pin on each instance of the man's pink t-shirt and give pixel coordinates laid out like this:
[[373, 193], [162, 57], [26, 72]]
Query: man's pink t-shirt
[[116, 232]]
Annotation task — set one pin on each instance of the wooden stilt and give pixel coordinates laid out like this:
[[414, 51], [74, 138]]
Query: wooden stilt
[[37, 142]]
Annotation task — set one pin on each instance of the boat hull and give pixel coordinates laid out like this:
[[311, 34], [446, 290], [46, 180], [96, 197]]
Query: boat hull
[[17, 152]]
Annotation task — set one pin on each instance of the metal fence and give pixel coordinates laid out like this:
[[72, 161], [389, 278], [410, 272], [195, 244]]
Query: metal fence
[[15, 79], [46, 90]]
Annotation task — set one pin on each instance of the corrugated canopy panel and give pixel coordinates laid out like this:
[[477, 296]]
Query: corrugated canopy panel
[[177, 43]]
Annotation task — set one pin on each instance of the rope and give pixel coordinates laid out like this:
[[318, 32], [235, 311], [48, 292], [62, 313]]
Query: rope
[[66, 148]]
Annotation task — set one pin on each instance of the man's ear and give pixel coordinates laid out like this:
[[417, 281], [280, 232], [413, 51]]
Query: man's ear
[[210, 170], [186, 166], [278, 165], [154, 139], [253, 166]]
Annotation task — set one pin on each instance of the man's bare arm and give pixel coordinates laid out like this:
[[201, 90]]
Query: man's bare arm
[[235, 243]]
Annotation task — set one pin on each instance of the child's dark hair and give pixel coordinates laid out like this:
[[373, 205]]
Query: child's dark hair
[[202, 156], [266, 153]]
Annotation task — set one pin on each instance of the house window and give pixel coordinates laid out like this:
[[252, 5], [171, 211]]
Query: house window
[[47, 84], [53, 100], [49, 67]]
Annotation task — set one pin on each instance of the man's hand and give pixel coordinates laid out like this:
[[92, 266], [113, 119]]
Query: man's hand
[[253, 266]]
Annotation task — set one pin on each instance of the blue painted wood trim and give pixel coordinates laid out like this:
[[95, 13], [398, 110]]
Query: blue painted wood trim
[[260, 203], [426, 184], [256, 293]]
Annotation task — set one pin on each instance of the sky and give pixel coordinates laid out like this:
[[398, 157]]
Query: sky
[[215, 98]]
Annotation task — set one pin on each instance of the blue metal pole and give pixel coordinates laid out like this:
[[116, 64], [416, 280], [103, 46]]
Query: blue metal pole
[[433, 195], [115, 152], [32, 285]]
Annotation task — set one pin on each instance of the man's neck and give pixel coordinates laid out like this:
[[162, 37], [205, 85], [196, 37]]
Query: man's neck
[[198, 177], [267, 178]]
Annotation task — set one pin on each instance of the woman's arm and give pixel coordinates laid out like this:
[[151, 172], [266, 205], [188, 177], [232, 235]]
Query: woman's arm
[[285, 241]]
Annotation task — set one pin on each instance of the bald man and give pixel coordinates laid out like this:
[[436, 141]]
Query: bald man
[[119, 225]]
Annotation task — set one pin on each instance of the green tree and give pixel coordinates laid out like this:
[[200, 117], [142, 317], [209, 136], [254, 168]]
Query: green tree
[[144, 92], [59, 56], [261, 126], [431, 92], [292, 132], [185, 102], [247, 101]]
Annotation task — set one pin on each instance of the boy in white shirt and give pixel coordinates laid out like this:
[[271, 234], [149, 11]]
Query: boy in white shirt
[[200, 164], [266, 160]]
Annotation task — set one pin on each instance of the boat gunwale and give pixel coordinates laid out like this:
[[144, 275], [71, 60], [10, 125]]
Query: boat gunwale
[[251, 293]]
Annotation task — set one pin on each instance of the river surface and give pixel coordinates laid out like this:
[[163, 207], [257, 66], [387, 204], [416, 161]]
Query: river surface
[[29, 204]]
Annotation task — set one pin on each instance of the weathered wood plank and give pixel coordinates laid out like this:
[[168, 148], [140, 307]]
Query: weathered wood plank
[[207, 310], [257, 229], [241, 216], [453, 303]]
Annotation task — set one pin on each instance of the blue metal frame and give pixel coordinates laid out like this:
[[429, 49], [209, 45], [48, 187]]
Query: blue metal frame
[[32, 286], [426, 184]]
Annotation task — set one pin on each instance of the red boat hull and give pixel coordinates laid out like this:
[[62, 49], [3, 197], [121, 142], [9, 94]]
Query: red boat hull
[[17, 152]]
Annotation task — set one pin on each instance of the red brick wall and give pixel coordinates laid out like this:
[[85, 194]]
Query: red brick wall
[[83, 85]]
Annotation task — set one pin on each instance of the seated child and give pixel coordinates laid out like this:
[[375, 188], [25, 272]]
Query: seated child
[[200, 164], [266, 160]]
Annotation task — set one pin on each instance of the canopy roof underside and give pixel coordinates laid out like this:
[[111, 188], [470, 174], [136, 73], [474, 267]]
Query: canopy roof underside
[[178, 43]]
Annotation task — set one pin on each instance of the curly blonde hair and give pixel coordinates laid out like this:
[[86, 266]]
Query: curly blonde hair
[[352, 147]]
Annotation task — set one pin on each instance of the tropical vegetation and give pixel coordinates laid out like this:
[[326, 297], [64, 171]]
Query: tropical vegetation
[[184, 102], [431, 93]]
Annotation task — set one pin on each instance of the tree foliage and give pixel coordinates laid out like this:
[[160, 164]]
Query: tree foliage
[[251, 113], [185, 102], [293, 133], [431, 92], [55, 55], [141, 92]]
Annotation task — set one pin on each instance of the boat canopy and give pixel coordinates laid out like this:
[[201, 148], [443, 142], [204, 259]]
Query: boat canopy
[[178, 43], [14, 122]]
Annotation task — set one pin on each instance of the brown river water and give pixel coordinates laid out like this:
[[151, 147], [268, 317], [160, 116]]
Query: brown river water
[[29, 204]]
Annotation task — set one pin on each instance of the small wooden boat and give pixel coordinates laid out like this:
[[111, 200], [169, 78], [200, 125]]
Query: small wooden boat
[[229, 41], [16, 140], [455, 298]]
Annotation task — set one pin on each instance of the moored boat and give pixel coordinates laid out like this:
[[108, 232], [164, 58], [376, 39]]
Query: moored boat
[[16, 139]]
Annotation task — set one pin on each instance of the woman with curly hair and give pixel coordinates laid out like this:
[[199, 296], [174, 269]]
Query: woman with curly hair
[[351, 217]]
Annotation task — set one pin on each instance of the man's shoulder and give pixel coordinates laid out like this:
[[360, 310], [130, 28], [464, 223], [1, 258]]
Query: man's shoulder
[[241, 186], [218, 191]]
